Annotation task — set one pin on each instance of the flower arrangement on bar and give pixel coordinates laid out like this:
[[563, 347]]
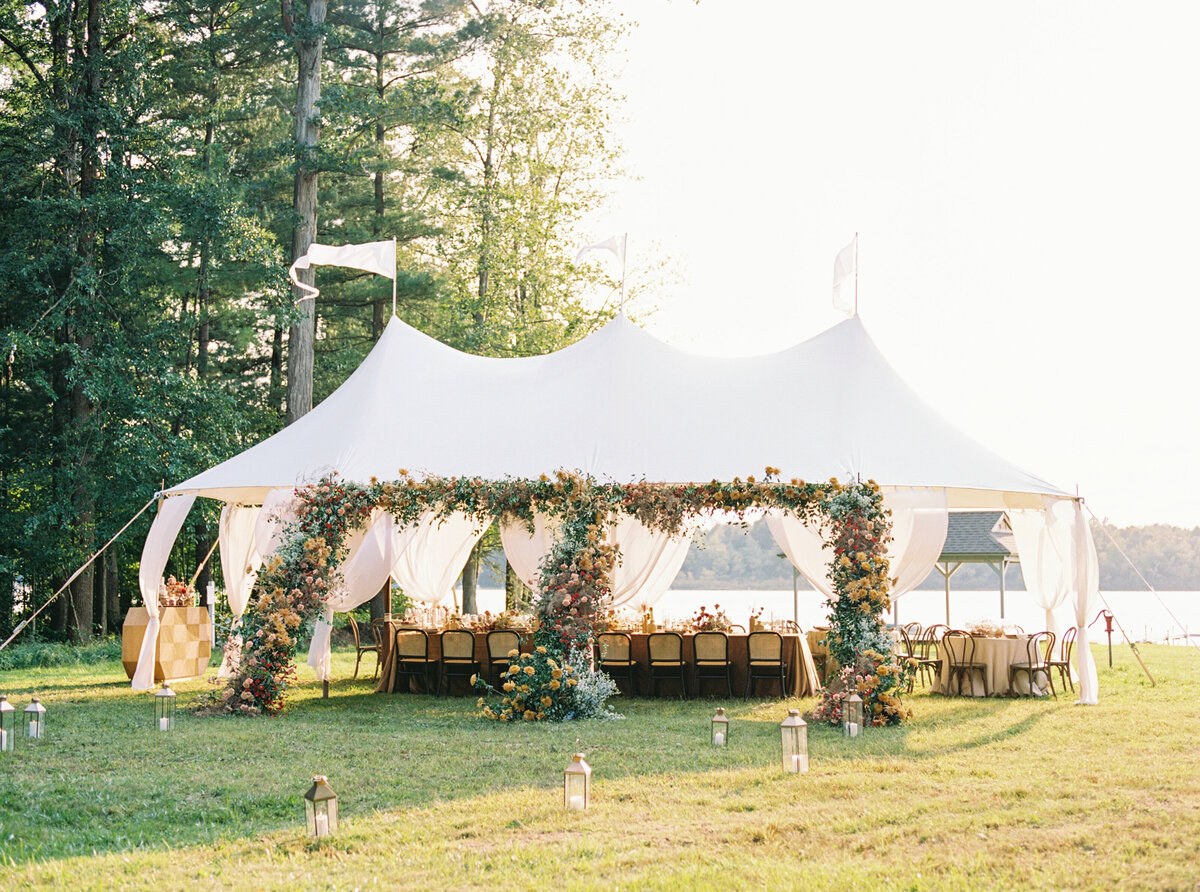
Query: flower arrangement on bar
[[176, 593], [716, 621], [875, 677]]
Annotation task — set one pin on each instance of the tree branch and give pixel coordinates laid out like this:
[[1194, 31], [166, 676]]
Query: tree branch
[[23, 57]]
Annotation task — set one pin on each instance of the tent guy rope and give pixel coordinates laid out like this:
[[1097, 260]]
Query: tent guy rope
[[75, 575], [1145, 582]]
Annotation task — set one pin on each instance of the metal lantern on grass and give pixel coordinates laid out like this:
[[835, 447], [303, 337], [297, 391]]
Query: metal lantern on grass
[[8, 725], [720, 728], [577, 784], [852, 716], [35, 720], [321, 808], [794, 733], [164, 708]]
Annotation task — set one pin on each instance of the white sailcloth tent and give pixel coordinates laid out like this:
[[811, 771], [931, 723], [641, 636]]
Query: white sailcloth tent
[[622, 405]]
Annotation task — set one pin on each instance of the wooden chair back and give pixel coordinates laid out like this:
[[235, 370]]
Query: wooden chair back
[[501, 643], [711, 647], [958, 648], [765, 647], [1068, 644], [458, 644], [665, 647], [1039, 648], [614, 646], [412, 644]]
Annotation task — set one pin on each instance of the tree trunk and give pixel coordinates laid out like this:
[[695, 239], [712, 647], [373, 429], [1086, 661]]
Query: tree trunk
[[512, 588], [112, 585], [125, 595], [379, 308], [470, 579], [379, 604], [100, 599], [309, 45]]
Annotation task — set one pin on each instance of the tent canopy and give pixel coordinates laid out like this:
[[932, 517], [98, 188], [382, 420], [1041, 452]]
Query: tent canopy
[[622, 405]]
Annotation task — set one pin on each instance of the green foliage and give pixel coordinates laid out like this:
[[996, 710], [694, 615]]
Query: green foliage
[[146, 177], [46, 655]]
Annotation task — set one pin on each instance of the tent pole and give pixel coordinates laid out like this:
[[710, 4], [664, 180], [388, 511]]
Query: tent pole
[[1002, 567], [795, 596]]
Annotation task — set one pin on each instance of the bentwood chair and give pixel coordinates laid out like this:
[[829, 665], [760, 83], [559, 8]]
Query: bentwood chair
[[411, 660], [929, 660], [615, 656], [458, 657], [500, 646], [910, 652], [665, 660], [1039, 648], [1063, 665], [712, 659], [958, 650], [764, 660], [913, 631], [374, 645]]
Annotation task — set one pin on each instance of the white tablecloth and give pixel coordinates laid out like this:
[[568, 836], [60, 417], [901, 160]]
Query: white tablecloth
[[997, 654]]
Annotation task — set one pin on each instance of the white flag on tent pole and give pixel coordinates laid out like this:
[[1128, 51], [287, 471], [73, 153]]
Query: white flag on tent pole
[[845, 278], [616, 244], [374, 257]]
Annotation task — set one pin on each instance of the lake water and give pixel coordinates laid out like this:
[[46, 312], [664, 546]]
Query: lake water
[[1144, 615]]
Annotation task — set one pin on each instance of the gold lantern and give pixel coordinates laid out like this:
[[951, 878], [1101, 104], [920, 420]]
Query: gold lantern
[[164, 708], [321, 808], [720, 728], [577, 784], [852, 715], [35, 720], [794, 743]]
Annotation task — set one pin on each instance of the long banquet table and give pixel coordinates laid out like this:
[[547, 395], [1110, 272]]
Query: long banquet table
[[387, 676], [802, 679], [997, 654]]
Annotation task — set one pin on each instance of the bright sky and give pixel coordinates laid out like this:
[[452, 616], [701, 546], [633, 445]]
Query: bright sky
[[1024, 180]]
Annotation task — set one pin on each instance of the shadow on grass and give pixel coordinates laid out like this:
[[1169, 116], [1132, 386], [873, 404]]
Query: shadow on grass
[[230, 778]]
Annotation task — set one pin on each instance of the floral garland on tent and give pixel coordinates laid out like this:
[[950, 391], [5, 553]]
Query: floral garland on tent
[[575, 577]]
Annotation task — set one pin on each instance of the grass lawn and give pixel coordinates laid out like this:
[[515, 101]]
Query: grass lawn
[[992, 794]]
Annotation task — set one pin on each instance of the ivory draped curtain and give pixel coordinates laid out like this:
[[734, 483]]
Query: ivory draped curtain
[[649, 561], [424, 559], [919, 522], [160, 539], [240, 562]]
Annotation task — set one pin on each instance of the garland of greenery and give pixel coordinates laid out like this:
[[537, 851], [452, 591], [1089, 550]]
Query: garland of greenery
[[575, 577]]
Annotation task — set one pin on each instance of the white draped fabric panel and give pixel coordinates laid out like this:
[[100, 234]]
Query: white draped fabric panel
[[240, 562], [1087, 592], [435, 554], [524, 550], [278, 510], [166, 526], [370, 553], [1058, 559], [919, 523], [1043, 541], [805, 547], [649, 562]]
